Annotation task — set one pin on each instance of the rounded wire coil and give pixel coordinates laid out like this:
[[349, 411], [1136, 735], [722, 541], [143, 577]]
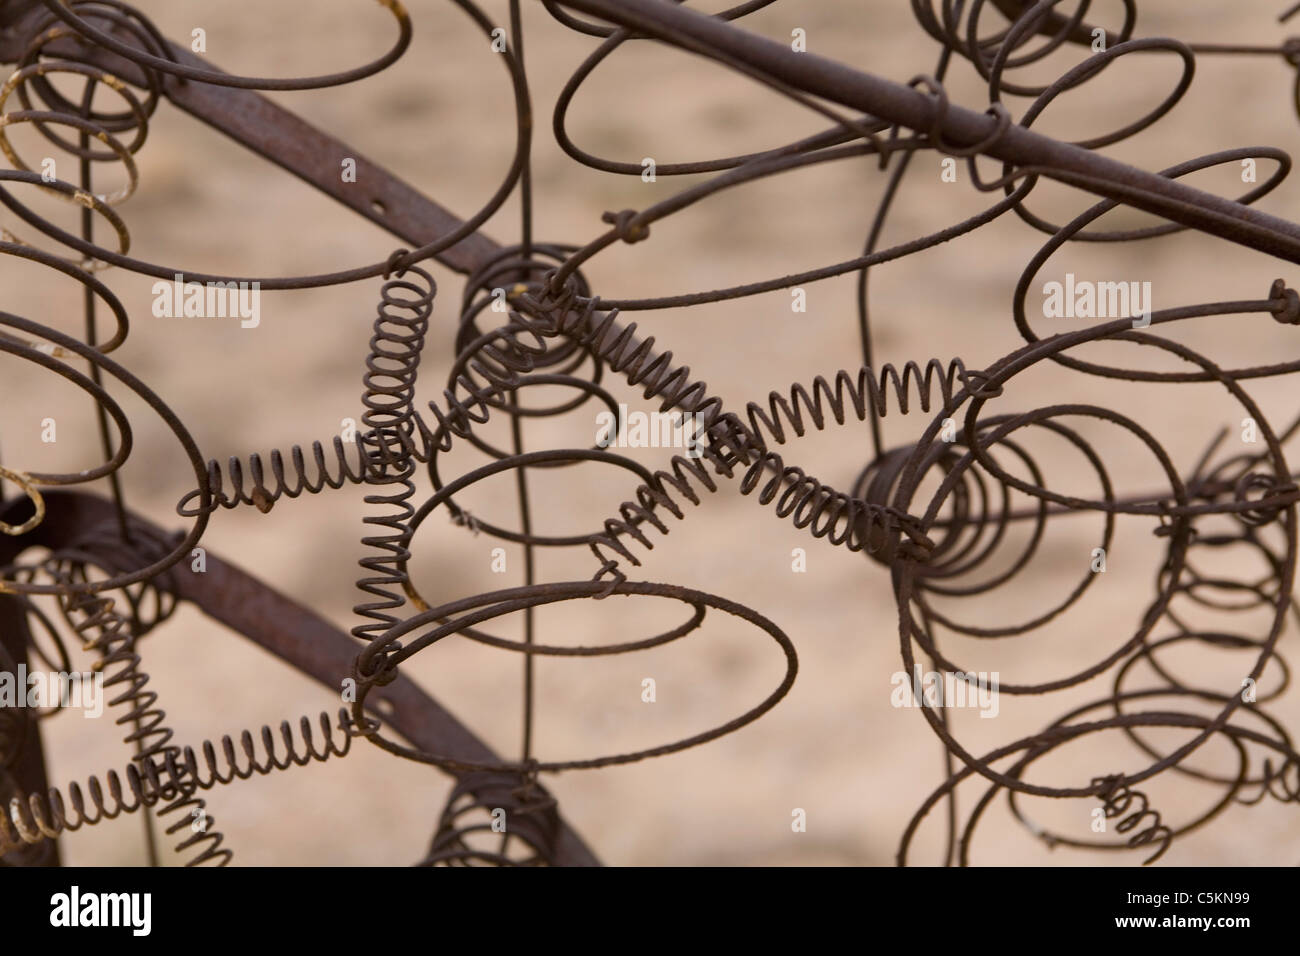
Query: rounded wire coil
[[959, 512]]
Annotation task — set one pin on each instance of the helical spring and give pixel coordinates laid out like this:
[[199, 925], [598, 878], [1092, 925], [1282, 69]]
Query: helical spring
[[105, 632], [93, 127], [862, 525], [490, 365], [1117, 799], [32, 818], [841, 518], [517, 808], [487, 368], [391, 367]]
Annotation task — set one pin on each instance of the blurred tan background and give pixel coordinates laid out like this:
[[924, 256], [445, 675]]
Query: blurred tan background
[[441, 118]]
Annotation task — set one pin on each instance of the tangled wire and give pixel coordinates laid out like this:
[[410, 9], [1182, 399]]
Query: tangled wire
[[960, 513]]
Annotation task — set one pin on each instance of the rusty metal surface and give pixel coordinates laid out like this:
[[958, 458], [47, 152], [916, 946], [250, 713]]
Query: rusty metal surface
[[302, 149], [111, 578], [293, 633]]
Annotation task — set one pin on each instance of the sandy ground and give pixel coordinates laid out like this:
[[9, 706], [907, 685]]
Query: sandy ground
[[835, 747]]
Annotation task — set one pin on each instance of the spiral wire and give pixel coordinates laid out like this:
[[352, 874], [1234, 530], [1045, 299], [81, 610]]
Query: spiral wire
[[955, 516]]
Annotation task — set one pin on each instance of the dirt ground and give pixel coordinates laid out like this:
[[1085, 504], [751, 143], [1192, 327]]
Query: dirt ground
[[835, 748]]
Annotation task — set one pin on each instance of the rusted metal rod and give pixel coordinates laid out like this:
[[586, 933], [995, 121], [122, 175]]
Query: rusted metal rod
[[908, 107], [276, 623], [309, 153]]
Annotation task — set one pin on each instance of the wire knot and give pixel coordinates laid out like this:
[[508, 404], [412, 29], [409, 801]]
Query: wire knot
[[624, 227], [1286, 307]]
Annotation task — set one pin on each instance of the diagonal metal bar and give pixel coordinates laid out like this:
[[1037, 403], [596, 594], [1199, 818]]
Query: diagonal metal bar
[[910, 108], [276, 623], [297, 146]]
